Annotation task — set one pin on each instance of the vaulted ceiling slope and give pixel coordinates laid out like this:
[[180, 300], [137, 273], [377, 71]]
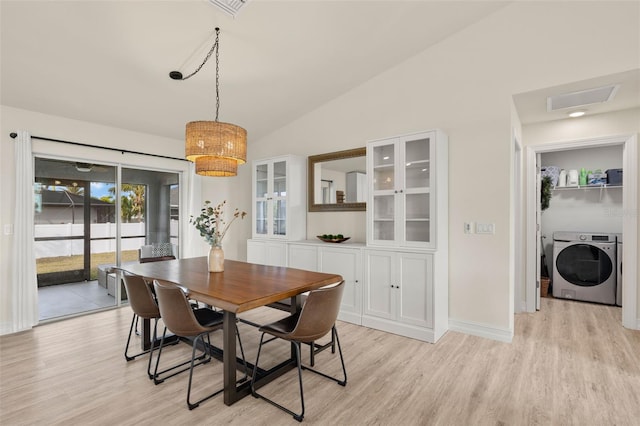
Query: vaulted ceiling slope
[[108, 62]]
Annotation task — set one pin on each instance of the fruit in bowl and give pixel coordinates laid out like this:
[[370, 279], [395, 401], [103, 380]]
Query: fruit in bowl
[[333, 238]]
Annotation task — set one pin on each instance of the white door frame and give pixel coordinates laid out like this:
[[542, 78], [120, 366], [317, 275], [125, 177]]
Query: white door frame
[[629, 220]]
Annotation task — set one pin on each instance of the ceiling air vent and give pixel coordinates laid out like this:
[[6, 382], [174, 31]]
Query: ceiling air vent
[[231, 7], [581, 98]]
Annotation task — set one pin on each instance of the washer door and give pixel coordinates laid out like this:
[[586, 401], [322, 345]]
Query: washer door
[[584, 265]]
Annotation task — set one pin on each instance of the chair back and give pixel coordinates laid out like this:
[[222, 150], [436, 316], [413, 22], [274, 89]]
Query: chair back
[[318, 314], [157, 252], [140, 297], [176, 311]]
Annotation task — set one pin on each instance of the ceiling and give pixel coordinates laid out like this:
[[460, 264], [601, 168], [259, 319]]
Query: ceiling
[[108, 62], [532, 106]]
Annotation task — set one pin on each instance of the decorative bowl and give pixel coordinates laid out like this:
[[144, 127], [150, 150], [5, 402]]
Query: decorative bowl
[[332, 240]]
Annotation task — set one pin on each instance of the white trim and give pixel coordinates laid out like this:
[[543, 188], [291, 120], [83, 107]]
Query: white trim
[[630, 232], [481, 330], [629, 222]]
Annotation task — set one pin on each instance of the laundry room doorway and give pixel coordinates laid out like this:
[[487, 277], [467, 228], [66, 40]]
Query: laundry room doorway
[[615, 213]]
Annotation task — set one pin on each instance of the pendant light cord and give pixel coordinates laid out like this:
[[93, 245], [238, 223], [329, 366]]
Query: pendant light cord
[[178, 75]]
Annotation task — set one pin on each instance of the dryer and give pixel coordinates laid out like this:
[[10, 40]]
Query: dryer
[[584, 266]]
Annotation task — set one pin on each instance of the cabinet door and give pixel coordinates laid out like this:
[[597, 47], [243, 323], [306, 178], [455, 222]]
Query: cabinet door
[[415, 290], [348, 264], [382, 208], [416, 204], [279, 199], [303, 256], [261, 191], [380, 284], [272, 253]]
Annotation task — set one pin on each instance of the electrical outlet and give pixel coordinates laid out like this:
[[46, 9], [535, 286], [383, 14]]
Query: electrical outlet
[[8, 229], [468, 228]]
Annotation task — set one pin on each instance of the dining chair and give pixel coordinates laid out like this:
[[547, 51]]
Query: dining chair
[[143, 304], [285, 305], [316, 319], [180, 319]]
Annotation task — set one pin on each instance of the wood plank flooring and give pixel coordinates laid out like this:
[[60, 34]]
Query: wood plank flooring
[[572, 363]]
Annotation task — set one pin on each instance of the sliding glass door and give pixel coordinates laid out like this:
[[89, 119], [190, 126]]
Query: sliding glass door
[[90, 217]]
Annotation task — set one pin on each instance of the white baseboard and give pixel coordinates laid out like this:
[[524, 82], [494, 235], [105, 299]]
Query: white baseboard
[[481, 330]]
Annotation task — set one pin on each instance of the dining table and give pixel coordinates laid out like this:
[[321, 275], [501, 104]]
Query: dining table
[[242, 286]]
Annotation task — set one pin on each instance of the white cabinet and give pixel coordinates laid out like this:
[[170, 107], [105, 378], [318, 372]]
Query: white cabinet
[[265, 252], [279, 198], [303, 256], [407, 189], [341, 259], [347, 262], [399, 291]]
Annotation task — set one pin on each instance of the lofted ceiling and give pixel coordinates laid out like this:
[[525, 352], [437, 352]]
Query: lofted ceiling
[[107, 62]]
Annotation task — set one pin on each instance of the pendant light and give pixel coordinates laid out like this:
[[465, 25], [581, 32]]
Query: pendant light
[[215, 147]]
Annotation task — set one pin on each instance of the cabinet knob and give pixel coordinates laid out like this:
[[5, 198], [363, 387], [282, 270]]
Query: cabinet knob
[[401, 191]]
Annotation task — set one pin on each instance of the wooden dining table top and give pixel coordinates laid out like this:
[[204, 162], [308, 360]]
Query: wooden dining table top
[[242, 286]]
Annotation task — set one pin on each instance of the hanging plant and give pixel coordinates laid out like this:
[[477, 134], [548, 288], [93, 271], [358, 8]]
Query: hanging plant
[[545, 193]]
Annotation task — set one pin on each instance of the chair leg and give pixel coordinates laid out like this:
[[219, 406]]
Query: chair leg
[[296, 416], [128, 357], [342, 382], [207, 346], [190, 404], [203, 359]]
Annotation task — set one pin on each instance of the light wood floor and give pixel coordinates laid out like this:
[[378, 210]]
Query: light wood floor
[[571, 363]]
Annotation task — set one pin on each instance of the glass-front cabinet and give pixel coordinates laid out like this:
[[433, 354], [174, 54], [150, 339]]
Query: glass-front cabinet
[[278, 198], [402, 171]]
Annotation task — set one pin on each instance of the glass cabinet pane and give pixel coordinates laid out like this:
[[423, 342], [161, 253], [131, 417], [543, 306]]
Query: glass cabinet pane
[[261, 217], [262, 181], [280, 217], [383, 170], [280, 179], [417, 217], [417, 163], [383, 217]]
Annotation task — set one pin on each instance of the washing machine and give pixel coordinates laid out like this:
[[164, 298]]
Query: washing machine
[[584, 266], [619, 270]]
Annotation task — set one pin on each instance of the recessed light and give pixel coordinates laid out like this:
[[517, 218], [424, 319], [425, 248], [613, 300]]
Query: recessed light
[[575, 114]]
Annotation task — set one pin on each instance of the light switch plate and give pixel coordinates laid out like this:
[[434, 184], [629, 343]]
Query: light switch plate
[[485, 228]]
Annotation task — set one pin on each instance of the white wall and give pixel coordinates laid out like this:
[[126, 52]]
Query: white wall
[[464, 86]]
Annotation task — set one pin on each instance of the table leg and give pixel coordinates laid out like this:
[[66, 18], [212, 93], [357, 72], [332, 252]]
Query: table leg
[[145, 333], [229, 357]]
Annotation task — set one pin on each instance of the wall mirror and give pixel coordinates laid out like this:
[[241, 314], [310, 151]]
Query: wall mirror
[[338, 181]]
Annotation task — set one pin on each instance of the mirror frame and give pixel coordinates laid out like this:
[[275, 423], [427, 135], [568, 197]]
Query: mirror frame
[[320, 158]]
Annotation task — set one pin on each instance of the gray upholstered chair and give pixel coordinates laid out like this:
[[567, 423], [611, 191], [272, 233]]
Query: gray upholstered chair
[[316, 319], [180, 319]]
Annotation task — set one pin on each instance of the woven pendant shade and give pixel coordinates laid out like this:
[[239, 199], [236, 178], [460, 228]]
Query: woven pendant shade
[[216, 166], [216, 139]]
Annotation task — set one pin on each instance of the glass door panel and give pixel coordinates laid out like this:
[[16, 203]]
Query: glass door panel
[[76, 229], [261, 217], [417, 161], [280, 179], [384, 217], [280, 217], [383, 168], [73, 216]]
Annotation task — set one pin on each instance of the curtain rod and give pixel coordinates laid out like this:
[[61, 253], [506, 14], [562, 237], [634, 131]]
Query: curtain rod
[[123, 151]]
